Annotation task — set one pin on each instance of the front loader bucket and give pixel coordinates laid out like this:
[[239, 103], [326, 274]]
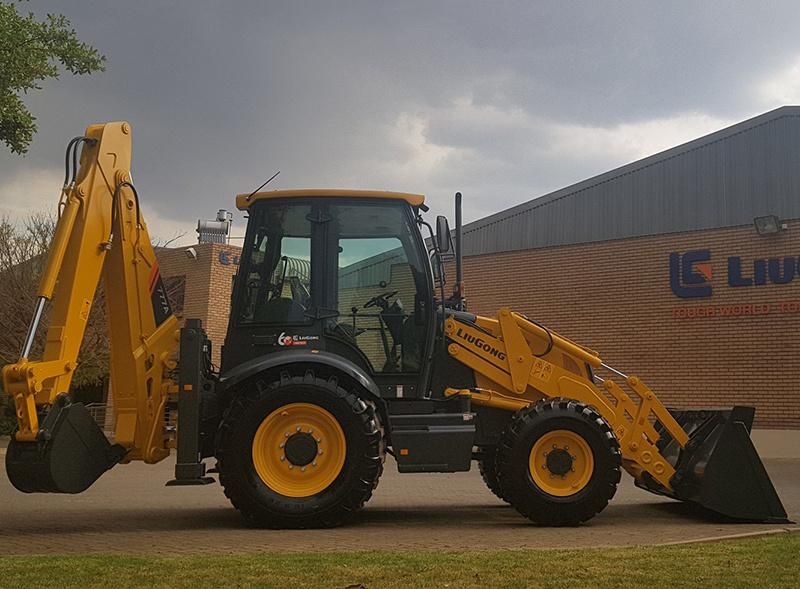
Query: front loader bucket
[[719, 469], [71, 454]]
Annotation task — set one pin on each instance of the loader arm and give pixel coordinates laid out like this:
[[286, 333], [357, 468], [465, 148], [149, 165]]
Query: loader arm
[[518, 362], [702, 456], [100, 233]]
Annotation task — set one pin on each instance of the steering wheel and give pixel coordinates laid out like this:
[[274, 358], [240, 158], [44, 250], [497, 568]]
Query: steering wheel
[[380, 300]]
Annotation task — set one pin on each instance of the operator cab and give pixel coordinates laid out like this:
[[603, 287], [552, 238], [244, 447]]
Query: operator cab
[[345, 272]]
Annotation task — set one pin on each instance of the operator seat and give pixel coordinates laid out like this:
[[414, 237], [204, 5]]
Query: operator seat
[[280, 310]]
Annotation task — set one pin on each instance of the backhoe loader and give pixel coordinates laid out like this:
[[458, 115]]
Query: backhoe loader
[[342, 346]]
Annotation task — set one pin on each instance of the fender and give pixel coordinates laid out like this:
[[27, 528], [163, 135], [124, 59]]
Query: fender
[[253, 366]]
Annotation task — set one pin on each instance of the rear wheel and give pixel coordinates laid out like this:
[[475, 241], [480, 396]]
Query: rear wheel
[[558, 462], [299, 451], [487, 466]]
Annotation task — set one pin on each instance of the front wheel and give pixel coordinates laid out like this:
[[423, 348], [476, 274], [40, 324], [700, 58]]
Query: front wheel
[[558, 462], [300, 451]]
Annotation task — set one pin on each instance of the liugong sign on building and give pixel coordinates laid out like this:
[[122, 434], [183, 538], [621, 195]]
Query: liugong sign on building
[[692, 277]]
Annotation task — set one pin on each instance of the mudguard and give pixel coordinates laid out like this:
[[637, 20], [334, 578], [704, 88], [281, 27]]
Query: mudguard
[[254, 366]]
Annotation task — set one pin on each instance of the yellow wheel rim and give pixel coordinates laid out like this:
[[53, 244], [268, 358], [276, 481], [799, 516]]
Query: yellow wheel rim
[[561, 463], [299, 450]]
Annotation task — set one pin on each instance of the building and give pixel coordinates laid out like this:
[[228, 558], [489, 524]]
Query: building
[[657, 265], [199, 280]]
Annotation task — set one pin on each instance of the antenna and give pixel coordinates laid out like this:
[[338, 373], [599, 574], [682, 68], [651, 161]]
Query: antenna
[[249, 196]]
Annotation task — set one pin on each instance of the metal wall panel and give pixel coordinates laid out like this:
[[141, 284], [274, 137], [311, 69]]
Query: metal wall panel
[[721, 180]]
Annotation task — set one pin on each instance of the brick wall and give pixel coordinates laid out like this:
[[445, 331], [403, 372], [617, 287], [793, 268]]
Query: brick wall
[[615, 298], [175, 262], [208, 285], [224, 266]]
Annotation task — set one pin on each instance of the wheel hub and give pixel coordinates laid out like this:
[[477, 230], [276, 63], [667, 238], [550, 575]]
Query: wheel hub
[[301, 449], [559, 461]]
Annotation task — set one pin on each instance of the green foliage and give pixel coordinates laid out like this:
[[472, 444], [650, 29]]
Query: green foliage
[[30, 52]]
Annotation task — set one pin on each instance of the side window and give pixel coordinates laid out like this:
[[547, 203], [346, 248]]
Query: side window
[[176, 291], [277, 267], [377, 288]]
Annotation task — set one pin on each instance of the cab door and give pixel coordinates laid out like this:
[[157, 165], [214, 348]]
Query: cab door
[[380, 288]]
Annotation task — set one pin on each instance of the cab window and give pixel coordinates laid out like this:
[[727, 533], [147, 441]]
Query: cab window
[[379, 280], [277, 281]]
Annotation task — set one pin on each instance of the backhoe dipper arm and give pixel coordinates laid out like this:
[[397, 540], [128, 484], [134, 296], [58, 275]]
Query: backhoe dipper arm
[[101, 231]]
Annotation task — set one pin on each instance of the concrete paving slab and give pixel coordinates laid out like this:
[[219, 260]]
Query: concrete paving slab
[[130, 511]]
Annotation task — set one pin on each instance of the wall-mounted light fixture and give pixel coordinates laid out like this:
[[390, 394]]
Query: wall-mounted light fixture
[[769, 225], [191, 253]]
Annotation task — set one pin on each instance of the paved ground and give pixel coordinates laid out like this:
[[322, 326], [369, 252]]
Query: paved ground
[[129, 510]]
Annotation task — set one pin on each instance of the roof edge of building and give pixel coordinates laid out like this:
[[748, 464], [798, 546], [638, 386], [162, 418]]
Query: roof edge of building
[[615, 239], [689, 146]]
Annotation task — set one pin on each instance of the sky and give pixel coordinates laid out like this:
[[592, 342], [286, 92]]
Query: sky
[[503, 101]]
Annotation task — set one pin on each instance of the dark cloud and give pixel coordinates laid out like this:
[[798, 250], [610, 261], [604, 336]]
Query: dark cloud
[[503, 100]]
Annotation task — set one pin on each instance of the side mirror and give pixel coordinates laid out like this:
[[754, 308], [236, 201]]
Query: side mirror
[[442, 234]]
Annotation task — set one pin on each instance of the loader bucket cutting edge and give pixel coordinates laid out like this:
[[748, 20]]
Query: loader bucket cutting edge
[[719, 469], [68, 459]]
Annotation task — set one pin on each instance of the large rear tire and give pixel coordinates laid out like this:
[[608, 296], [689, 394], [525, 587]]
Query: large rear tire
[[300, 451], [487, 466], [558, 462]]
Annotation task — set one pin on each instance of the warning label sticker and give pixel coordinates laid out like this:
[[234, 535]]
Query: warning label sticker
[[542, 370]]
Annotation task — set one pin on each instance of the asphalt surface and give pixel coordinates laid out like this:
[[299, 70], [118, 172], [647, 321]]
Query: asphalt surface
[[130, 511]]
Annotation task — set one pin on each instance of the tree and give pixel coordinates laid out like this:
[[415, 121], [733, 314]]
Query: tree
[[30, 52], [23, 251]]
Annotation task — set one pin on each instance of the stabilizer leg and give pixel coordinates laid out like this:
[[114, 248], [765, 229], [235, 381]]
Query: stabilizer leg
[[190, 468]]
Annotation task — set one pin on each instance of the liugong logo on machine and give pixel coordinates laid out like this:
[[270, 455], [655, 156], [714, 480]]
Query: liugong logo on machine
[[690, 273], [480, 344], [295, 340]]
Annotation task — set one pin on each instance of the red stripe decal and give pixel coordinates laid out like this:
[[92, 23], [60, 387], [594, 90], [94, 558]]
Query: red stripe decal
[[154, 275]]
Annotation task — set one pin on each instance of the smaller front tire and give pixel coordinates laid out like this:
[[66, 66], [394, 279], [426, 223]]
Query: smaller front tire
[[558, 462]]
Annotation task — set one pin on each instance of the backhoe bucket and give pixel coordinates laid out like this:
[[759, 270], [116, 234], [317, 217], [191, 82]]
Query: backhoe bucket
[[71, 454], [719, 469]]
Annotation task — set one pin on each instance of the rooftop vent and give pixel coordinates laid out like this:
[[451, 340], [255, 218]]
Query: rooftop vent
[[217, 230]]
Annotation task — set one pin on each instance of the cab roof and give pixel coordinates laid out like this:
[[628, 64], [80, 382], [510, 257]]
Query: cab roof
[[243, 201]]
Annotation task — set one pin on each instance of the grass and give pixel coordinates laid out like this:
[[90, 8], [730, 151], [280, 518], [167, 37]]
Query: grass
[[765, 562]]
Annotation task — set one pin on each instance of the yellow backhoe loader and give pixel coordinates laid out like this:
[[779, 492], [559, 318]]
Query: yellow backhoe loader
[[342, 346]]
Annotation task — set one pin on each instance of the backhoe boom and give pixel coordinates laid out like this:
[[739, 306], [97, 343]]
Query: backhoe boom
[[100, 232]]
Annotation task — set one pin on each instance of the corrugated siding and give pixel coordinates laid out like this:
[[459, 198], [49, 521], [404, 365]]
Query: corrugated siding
[[720, 180], [372, 270]]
